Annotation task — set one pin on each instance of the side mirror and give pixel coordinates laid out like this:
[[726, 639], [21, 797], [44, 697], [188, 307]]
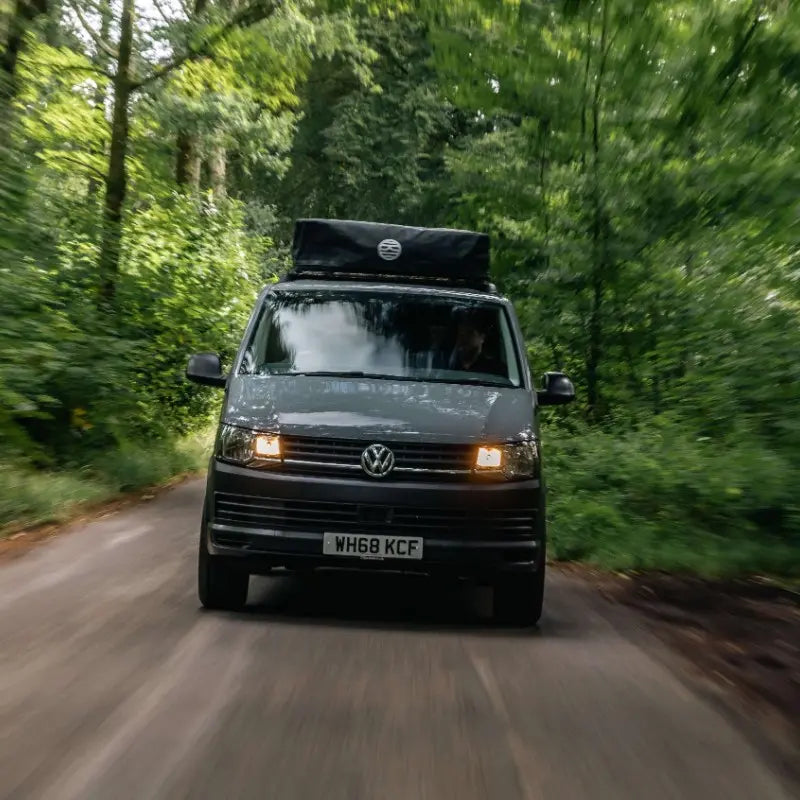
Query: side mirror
[[205, 369], [557, 390]]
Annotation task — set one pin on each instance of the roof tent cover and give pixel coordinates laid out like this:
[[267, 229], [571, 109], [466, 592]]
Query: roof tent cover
[[372, 248]]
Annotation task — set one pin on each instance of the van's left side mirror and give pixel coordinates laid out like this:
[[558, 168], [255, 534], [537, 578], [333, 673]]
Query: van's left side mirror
[[557, 390], [205, 369]]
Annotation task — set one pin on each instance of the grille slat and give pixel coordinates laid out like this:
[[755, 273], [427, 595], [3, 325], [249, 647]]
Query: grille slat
[[345, 455], [310, 514], [315, 516]]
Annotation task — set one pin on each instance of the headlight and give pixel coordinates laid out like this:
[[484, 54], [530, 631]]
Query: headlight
[[510, 460], [489, 458], [248, 448], [519, 460]]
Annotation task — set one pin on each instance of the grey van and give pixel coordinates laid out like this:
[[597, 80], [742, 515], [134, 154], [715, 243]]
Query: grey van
[[379, 415]]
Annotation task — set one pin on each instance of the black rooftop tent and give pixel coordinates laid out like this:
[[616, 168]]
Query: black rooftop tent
[[349, 248]]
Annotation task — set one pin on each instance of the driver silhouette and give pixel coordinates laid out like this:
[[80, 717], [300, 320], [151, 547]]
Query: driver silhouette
[[469, 353]]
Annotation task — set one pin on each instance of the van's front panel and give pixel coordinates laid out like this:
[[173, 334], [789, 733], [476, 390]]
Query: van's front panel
[[283, 519]]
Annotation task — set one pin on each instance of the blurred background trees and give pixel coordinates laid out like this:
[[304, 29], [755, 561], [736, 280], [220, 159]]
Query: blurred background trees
[[634, 161]]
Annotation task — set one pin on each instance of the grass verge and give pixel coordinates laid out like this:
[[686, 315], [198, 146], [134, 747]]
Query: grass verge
[[29, 498]]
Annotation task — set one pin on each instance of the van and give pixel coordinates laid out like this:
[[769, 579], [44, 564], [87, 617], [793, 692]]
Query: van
[[379, 415]]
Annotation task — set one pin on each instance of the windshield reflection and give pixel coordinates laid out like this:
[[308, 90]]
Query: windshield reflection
[[383, 335]]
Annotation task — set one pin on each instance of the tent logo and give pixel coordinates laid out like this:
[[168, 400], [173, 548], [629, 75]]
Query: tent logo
[[390, 249]]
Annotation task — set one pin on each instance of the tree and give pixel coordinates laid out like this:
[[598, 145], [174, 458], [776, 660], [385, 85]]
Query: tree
[[609, 122], [23, 14], [124, 86], [373, 149], [187, 159]]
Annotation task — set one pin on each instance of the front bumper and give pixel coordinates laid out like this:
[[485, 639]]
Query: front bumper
[[266, 519]]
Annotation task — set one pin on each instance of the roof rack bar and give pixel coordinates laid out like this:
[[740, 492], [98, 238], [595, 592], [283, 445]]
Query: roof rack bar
[[387, 277]]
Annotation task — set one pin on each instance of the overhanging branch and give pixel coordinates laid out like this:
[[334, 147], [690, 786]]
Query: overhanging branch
[[252, 14], [96, 38], [730, 70], [70, 68], [161, 11], [73, 160]]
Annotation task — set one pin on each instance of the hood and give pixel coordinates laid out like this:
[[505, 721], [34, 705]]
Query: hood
[[354, 408]]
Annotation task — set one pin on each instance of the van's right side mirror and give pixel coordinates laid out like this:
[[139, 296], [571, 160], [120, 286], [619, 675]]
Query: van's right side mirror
[[557, 390]]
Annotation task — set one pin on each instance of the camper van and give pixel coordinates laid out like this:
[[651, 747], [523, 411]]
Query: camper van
[[379, 415]]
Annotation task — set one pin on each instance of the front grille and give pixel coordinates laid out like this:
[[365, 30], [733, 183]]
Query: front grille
[[335, 455], [249, 511]]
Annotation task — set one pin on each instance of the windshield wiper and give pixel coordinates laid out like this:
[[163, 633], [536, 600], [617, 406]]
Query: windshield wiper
[[343, 374], [328, 374], [503, 383]]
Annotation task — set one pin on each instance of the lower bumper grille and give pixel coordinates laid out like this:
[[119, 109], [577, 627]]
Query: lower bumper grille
[[248, 511]]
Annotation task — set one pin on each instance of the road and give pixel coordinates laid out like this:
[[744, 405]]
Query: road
[[115, 684]]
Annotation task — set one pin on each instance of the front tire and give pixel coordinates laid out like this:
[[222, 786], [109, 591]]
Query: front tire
[[219, 584], [518, 598]]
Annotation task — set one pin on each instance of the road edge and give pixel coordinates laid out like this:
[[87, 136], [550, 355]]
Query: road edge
[[761, 726], [17, 541]]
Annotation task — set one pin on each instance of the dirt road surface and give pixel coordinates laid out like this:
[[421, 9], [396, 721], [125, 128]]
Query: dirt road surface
[[115, 684]]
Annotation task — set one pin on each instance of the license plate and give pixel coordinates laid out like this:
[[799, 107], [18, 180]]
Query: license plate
[[360, 545]]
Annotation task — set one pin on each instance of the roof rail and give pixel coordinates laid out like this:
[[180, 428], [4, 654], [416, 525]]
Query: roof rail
[[305, 273]]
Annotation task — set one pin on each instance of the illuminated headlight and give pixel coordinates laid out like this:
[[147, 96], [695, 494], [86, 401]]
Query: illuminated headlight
[[248, 448], [489, 458], [510, 460]]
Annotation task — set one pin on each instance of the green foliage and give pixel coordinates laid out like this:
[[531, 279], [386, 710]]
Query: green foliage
[[29, 497], [637, 175], [133, 466], [372, 150], [634, 162], [33, 498], [190, 279], [78, 378], [625, 181], [654, 497]]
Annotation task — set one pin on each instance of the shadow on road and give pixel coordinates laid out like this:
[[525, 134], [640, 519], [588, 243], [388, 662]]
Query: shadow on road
[[366, 600]]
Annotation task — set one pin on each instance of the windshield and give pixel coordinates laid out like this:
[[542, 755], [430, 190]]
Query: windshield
[[383, 335]]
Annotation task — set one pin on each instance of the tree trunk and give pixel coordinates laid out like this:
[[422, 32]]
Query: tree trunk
[[687, 318], [217, 171], [101, 60], [53, 32], [116, 178], [585, 92], [599, 243], [24, 12], [595, 347], [187, 155], [544, 134], [187, 161], [655, 329]]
